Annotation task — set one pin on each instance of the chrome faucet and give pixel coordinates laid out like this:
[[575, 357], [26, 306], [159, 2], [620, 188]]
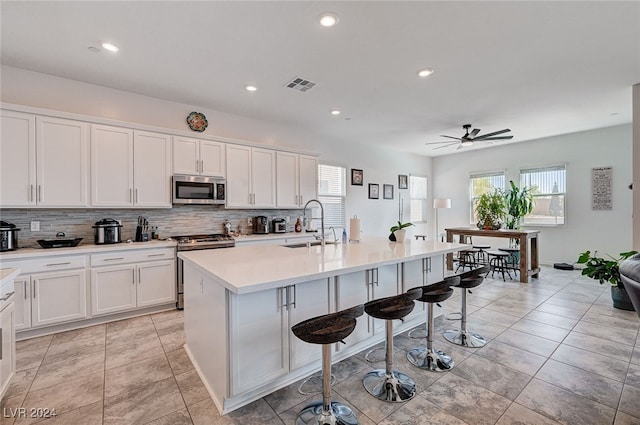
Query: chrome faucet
[[304, 217]]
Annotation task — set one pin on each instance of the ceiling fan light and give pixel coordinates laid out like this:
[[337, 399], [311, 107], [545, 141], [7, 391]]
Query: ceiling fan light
[[467, 143], [328, 19], [424, 73]]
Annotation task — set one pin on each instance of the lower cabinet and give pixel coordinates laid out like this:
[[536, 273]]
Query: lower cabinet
[[420, 273], [262, 344], [7, 347], [23, 302], [55, 297], [124, 287]]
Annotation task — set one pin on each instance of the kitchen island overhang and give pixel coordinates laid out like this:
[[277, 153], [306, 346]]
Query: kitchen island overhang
[[240, 304]]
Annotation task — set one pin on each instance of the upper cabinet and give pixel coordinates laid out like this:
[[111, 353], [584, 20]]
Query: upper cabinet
[[296, 179], [198, 157], [17, 159], [44, 161], [251, 177], [130, 168]]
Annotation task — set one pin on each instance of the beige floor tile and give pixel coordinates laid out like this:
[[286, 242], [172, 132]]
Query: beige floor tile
[[21, 382], [629, 401], [76, 366], [179, 361], [520, 415], [143, 404], [38, 342], [79, 334], [135, 375], [495, 377], [167, 315], [86, 415], [203, 413], [180, 417], [143, 348], [592, 362], [599, 345], [30, 358], [124, 335], [134, 322], [191, 387], [624, 419], [63, 351], [540, 329]]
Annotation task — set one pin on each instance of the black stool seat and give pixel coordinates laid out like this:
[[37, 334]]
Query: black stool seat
[[473, 272], [326, 330], [395, 307], [427, 357], [470, 282], [510, 250], [388, 384], [498, 253], [329, 328], [481, 246]]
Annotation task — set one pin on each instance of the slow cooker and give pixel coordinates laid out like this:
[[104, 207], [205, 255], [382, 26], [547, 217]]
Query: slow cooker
[[8, 236], [107, 231]]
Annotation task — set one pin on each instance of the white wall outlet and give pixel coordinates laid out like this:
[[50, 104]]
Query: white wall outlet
[[249, 222], [287, 219], [35, 226]]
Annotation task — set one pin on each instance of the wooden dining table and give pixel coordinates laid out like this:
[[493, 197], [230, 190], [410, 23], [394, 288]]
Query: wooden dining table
[[528, 244]]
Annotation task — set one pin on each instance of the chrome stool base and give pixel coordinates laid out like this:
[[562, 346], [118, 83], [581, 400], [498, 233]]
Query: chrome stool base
[[464, 338], [394, 387], [315, 382], [339, 414], [434, 360], [418, 333]]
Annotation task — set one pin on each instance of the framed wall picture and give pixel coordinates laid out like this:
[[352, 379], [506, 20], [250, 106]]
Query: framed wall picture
[[403, 181], [374, 191], [387, 191], [357, 177]]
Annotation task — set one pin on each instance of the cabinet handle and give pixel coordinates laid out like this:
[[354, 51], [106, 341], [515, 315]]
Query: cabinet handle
[[294, 296], [30, 193], [114, 259], [202, 166], [59, 264], [39, 193], [6, 297], [197, 166], [25, 290], [139, 278], [301, 200], [133, 276], [136, 196], [288, 299], [130, 195], [155, 255], [295, 200], [34, 289]]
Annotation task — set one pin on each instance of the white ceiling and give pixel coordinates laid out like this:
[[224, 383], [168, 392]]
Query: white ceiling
[[538, 68]]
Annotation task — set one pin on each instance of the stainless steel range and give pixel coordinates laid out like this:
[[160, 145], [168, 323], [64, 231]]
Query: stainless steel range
[[196, 242]]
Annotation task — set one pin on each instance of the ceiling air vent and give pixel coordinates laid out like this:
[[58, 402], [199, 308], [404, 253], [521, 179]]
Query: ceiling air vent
[[301, 84]]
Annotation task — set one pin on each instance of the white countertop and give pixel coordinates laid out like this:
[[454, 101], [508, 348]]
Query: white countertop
[[246, 269], [7, 275], [273, 236], [22, 253]]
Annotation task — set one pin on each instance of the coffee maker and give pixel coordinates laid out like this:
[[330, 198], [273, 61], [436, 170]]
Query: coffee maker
[[260, 225]]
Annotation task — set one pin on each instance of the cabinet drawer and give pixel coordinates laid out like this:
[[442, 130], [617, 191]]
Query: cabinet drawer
[[48, 264], [123, 257]]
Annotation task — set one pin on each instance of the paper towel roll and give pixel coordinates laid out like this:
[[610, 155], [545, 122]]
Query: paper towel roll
[[354, 229]]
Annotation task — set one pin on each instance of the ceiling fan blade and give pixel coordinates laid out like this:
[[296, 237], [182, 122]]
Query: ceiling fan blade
[[495, 133], [495, 138], [446, 146], [474, 133], [439, 143], [460, 147], [451, 137]]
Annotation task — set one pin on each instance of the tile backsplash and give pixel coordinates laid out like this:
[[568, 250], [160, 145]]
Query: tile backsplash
[[179, 220]]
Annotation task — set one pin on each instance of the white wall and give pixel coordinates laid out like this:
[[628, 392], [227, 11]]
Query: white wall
[[636, 167], [380, 165], [585, 229]]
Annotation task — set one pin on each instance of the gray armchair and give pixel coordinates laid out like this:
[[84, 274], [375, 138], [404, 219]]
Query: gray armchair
[[630, 274]]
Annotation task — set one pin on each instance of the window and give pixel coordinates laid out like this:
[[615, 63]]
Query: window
[[483, 183], [417, 199], [549, 186], [332, 191]]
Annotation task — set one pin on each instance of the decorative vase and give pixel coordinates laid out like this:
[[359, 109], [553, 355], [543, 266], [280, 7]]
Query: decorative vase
[[620, 298], [400, 234]]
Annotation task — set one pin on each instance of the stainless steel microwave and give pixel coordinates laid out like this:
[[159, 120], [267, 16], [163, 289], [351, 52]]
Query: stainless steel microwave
[[198, 189]]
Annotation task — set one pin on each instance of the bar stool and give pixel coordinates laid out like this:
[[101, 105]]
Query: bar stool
[[424, 237], [498, 262], [427, 357], [514, 258], [388, 384], [467, 258], [463, 337], [327, 330], [481, 256]]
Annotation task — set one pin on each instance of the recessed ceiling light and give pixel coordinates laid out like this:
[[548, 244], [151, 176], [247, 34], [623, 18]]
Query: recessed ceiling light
[[328, 19], [110, 47], [423, 73], [251, 88], [335, 112]]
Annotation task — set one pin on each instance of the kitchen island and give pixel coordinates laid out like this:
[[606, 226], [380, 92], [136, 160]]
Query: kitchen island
[[240, 305]]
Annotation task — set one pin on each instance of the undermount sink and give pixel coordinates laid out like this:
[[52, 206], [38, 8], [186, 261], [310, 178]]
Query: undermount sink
[[304, 244]]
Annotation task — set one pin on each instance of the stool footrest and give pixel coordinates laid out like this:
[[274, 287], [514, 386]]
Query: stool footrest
[[464, 338], [313, 415], [434, 360], [395, 387]]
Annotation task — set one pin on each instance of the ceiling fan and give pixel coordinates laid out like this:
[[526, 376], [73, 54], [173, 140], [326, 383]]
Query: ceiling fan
[[470, 138]]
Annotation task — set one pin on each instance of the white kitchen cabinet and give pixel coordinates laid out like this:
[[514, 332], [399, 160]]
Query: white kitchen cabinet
[[128, 282], [198, 157], [23, 302], [62, 157], [7, 347], [251, 177], [111, 166], [44, 161], [418, 273], [58, 297], [17, 159], [152, 169], [130, 168], [296, 178]]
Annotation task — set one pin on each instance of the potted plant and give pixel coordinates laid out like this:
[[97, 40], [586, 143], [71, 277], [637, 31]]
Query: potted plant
[[398, 231], [490, 210], [607, 270], [519, 203]]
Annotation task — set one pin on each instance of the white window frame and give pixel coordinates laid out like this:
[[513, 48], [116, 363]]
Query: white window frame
[[330, 198], [540, 194], [421, 199], [472, 198]]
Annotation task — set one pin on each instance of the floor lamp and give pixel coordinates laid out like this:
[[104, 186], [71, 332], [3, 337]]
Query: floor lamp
[[439, 203]]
